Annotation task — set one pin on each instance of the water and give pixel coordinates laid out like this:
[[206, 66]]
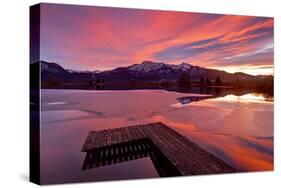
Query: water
[[238, 130]]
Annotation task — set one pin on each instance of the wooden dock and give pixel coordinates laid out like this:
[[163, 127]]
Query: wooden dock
[[171, 153]]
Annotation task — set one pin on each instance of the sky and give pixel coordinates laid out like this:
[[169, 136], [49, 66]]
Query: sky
[[100, 38]]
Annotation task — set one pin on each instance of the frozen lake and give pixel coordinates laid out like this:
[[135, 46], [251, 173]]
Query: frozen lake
[[238, 130]]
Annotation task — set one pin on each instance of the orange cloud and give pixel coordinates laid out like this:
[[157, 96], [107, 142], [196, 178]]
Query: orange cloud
[[106, 38]]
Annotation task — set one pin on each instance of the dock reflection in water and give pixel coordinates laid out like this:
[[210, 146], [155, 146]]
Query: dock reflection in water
[[132, 150], [235, 127], [171, 153]]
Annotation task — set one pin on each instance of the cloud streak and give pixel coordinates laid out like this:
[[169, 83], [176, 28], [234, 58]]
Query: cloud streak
[[84, 37]]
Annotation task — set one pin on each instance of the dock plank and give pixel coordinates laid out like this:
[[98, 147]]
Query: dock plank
[[187, 157]]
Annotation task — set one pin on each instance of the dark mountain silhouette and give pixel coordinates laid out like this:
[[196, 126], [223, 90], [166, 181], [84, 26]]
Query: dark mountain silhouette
[[147, 71], [55, 72]]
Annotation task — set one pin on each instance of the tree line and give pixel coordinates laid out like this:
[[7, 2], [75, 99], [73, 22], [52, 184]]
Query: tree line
[[185, 81]]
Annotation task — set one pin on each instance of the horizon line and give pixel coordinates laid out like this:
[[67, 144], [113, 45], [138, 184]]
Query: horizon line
[[152, 62]]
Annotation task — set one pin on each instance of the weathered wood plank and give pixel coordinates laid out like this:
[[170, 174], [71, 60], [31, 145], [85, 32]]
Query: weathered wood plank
[[188, 157]]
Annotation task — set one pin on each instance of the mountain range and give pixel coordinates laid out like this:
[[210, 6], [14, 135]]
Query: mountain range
[[145, 71]]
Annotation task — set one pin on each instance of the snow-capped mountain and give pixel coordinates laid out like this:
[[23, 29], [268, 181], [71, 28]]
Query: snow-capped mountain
[[152, 71], [147, 66], [52, 68], [53, 71], [182, 66], [145, 71], [87, 71]]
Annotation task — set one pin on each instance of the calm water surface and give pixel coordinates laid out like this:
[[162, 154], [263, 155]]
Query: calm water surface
[[238, 130]]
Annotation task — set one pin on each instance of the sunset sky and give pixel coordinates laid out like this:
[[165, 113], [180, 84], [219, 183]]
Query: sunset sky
[[98, 38]]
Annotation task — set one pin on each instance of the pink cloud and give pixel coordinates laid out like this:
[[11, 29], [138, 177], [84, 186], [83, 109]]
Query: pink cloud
[[84, 37]]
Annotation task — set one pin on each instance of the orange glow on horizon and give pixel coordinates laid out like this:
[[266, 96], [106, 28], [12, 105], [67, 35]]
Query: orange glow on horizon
[[252, 70]]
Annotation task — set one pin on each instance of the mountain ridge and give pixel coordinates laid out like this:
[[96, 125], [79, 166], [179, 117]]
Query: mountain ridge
[[145, 71]]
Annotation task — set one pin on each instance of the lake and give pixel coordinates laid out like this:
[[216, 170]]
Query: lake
[[237, 129]]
